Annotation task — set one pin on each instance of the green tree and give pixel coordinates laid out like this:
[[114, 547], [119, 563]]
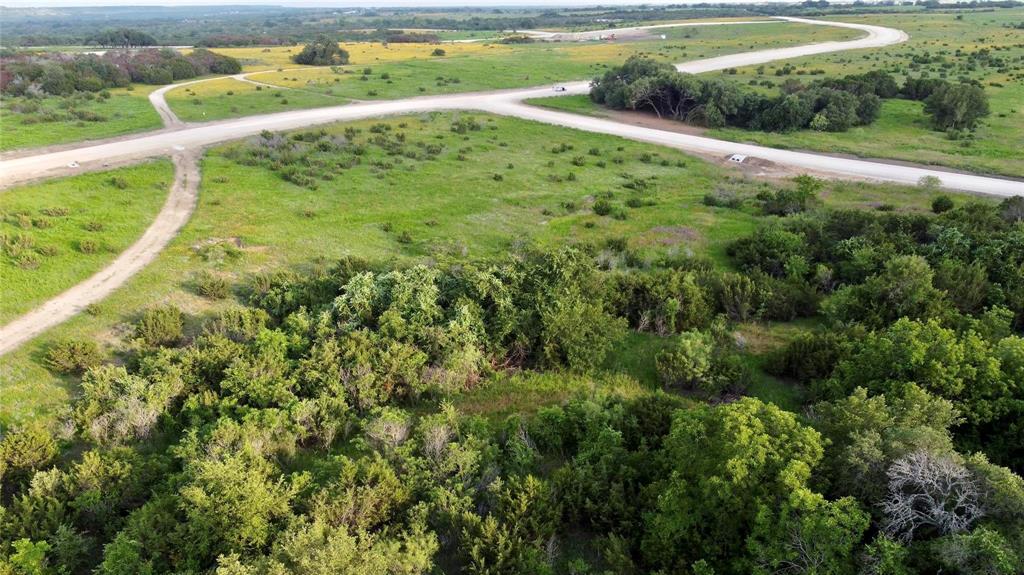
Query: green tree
[[902, 290], [324, 51], [980, 551], [868, 433], [807, 534], [232, 504], [727, 463], [957, 106]]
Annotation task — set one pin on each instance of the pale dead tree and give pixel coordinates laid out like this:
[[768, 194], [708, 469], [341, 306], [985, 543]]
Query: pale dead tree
[[930, 492], [388, 431], [435, 441], [807, 556], [551, 550]]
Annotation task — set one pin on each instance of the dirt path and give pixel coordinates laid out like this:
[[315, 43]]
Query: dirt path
[[175, 213]]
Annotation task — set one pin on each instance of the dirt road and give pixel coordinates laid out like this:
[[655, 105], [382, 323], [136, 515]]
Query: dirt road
[[176, 211]]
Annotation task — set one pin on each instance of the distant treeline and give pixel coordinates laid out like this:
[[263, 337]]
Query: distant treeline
[[293, 25], [33, 75], [834, 104], [121, 38], [224, 40], [390, 35]]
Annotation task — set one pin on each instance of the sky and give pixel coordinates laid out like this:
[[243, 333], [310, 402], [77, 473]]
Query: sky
[[351, 3]]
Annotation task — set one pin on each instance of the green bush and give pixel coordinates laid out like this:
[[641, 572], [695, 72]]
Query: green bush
[[323, 51], [211, 285], [688, 362], [160, 326], [602, 207], [73, 356], [942, 204]]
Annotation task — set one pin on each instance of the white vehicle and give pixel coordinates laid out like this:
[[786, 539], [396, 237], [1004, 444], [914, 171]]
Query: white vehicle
[[559, 88], [738, 158]]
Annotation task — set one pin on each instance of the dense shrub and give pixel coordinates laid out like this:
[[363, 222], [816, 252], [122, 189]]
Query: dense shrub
[[160, 326], [643, 84], [211, 285], [942, 204], [73, 356], [59, 75], [121, 38]]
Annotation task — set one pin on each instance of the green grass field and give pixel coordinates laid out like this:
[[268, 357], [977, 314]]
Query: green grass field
[[60, 232], [941, 44], [250, 220], [229, 98], [31, 123]]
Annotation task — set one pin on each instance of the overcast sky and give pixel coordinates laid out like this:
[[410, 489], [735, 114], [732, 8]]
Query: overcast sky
[[342, 3]]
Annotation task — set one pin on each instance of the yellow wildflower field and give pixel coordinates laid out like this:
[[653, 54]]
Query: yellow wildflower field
[[255, 58]]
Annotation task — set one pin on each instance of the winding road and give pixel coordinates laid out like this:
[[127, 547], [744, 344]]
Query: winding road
[[184, 142]]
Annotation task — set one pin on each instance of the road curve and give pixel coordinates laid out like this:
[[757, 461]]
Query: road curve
[[626, 32], [176, 211]]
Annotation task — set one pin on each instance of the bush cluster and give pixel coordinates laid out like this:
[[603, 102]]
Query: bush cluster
[[833, 105]]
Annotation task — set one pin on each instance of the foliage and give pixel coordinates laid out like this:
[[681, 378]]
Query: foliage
[[54, 75], [719, 485], [322, 52], [161, 325], [956, 106], [834, 106], [121, 38], [702, 361], [73, 356]]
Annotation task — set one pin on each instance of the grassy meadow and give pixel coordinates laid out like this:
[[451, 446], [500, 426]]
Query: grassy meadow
[[517, 185], [230, 98], [35, 122], [58, 233]]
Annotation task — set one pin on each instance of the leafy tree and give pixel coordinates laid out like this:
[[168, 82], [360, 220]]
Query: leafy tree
[[318, 549], [867, 434], [727, 463], [809, 355], [807, 534], [118, 406], [232, 504], [980, 551], [770, 249], [323, 51], [957, 106], [902, 290], [122, 38]]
